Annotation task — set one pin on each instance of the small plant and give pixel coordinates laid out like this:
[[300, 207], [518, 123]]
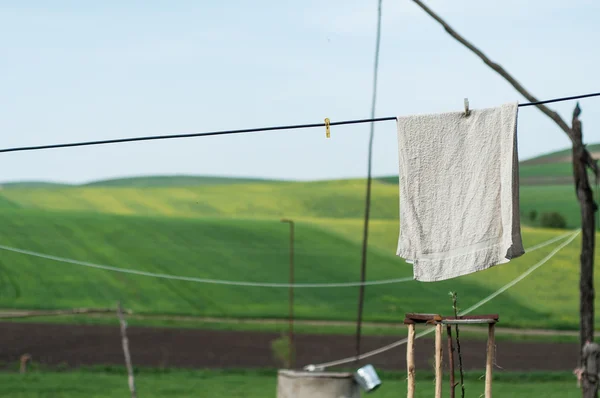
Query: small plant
[[460, 365], [533, 215], [553, 220], [282, 351]]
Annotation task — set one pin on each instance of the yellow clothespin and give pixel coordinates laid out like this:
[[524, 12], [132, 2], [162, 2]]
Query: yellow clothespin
[[327, 131]]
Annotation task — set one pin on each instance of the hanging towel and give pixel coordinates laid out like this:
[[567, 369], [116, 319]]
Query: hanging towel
[[459, 192]]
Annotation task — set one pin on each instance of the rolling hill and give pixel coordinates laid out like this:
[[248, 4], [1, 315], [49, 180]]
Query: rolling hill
[[172, 181], [222, 228], [330, 199], [256, 251], [551, 169]]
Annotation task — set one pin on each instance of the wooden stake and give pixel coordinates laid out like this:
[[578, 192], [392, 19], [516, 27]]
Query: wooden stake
[[491, 345], [24, 359], [451, 360], [410, 361], [125, 342], [438, 361]]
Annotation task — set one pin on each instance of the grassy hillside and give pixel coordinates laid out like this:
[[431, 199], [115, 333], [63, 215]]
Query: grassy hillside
[[562, 156], [172, 181], [329, 199], [32, 184], [337, 199], [256, 250]]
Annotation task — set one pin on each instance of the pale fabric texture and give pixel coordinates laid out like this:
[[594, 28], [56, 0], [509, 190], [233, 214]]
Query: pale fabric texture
[[459, 191]]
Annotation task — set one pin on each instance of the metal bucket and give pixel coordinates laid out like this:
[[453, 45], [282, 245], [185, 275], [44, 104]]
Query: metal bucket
[[367, 378]]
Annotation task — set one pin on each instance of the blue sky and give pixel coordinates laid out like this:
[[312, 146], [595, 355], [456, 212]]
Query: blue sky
[[73, 70]]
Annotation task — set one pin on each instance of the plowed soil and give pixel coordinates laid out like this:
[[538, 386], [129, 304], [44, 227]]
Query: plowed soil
[[79, 345]]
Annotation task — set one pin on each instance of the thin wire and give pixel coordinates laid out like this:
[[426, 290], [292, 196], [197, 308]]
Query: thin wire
[[560, 99], [428, 331], [229, 282], [199, 280], [207, 134], [252, 130], [363, 262]]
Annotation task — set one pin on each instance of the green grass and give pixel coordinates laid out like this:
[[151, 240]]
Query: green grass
[[256, 250], [329, 199], [546, 170], [551, 198], [336, 199], [555, 157], [251, 384]]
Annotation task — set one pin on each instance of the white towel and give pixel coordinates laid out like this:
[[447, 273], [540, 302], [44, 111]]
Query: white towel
[[459, 192]]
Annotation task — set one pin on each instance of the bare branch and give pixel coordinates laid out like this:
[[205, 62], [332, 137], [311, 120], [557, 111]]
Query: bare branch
[[550, 113]]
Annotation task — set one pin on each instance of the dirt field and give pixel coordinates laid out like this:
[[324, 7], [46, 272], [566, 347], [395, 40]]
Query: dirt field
[[165, 347]]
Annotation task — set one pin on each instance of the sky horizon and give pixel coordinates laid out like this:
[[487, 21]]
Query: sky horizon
[[76, 72]]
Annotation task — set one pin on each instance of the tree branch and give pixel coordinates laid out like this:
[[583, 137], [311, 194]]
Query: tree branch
[[550, 113], [590, 162]]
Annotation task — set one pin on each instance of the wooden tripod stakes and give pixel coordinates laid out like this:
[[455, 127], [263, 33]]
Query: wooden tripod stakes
[[439, 321]]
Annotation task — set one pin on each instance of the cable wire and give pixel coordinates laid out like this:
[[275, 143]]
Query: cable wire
[[365, 242], [228, 282], [468, 310], [243, 131]]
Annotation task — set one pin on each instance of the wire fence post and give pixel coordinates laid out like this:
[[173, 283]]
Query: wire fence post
[[489, 365], [292, 353], [125, 343], [410, 361], [438, 361]]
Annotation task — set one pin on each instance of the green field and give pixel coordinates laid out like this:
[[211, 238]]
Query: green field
[[331, 199], [334, 199], [229, 229], [182, 383], [256, 250], [558, 156]]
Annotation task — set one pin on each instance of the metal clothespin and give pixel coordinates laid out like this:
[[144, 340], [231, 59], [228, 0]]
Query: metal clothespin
[[327, 131], [467, 111]]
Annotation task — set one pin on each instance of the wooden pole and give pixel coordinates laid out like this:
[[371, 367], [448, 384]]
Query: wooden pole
[[438, 361], [491, 345], [24, 359], [125, 342], [451, 360], [291, 299], [291, 296], [586, 277], [410, 361]]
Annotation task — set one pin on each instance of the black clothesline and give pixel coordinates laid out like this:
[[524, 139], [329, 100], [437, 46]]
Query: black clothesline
[[252, 130]]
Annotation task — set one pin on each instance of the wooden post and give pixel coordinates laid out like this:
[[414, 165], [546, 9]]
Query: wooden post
[[491, 345], [410, 361], [292, 350], [438, 361], [451, 360], [586, 277], [291, 299], [24, 359], [125, 342], [590, 369]]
